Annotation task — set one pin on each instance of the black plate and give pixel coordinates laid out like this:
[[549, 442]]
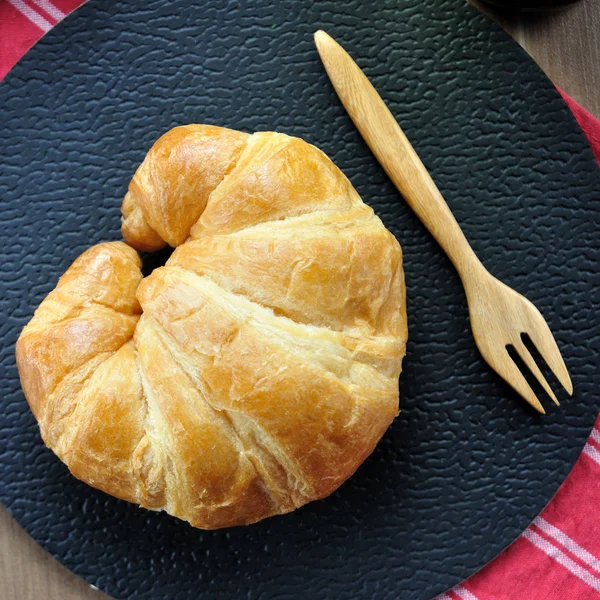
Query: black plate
[[467, 465]]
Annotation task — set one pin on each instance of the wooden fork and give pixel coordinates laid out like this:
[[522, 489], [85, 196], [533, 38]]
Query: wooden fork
[[500, 317]]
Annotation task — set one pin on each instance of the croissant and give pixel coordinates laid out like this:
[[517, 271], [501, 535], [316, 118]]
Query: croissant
[[258, 368]]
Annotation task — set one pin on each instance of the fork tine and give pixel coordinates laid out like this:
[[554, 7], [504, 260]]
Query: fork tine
[[508, 370], [545, 343], [532, 366]]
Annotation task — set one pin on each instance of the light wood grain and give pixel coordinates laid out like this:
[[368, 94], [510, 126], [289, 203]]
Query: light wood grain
[[29, 573], [565, 44], [499, 315]]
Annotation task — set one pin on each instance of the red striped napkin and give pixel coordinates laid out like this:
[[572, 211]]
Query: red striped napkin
[[558, 556], [24, 22]]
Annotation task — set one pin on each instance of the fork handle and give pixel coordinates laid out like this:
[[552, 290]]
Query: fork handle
[[395, 153]]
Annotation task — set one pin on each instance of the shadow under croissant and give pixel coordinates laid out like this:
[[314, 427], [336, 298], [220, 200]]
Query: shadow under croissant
[[154, 260], [95, 518]]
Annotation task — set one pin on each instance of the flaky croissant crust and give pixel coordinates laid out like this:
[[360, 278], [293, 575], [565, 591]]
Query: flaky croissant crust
[[257, 369]]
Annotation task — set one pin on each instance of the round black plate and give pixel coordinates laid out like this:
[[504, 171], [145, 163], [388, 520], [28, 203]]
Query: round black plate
[[467, 465]]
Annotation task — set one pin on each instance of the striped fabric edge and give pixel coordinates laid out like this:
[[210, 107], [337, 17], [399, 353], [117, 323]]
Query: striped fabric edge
[[561, 558], [568, 543], [589, 449], [554, 551], [463, 593], [53, 11], [40, 21], [459, 592], [592, 452]]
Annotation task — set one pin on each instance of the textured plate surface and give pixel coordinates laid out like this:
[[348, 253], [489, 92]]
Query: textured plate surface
[[467, 465]]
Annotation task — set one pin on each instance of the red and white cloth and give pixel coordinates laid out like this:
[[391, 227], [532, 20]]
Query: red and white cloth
[[558, 556], [24, 22]]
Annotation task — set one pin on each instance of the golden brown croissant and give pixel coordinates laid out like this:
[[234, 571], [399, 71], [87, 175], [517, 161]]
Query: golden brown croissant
[[257, 369]]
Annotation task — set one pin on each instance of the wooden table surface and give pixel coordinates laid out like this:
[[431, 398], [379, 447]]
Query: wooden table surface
[[566, 44]]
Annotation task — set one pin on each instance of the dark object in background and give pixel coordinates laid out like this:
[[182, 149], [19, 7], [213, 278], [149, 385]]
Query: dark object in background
[[530, 5]]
